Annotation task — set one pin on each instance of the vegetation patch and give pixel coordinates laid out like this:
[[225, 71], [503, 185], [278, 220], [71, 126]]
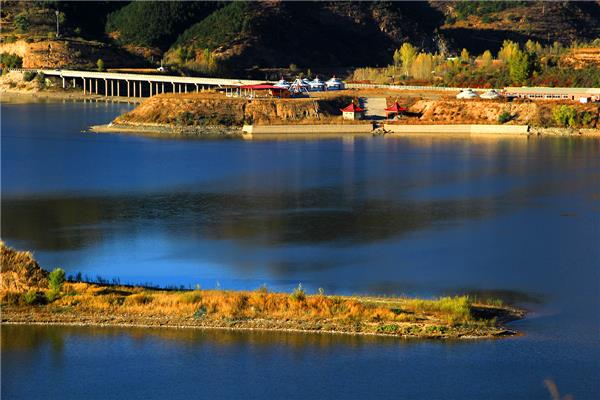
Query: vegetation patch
[[70, 301]]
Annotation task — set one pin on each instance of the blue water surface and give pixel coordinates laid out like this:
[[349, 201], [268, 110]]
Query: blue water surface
[[517, 219]]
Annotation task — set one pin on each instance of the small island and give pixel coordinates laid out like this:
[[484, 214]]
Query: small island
[[31, 295]]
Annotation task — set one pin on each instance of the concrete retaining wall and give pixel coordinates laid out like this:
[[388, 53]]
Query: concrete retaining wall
[[458, 129], [313, 129]]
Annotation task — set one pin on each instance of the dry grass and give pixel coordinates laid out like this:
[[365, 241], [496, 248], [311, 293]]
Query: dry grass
[[261, 304], [81, 302]]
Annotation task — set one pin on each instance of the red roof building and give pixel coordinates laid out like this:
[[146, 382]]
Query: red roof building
[[394, 109], [352, 108], [352, 111]]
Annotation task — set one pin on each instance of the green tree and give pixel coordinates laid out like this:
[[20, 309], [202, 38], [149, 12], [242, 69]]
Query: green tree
[[22, 22], [56, 279], [408, 54], [520, 67], [565, 116]]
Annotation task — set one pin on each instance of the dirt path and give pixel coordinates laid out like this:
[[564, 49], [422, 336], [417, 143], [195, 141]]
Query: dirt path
[[374, 107]]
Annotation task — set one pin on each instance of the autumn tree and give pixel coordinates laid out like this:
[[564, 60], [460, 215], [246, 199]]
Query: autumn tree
[[422, 66], [486, 59], [407, 55], [465, 56], [508, 50]]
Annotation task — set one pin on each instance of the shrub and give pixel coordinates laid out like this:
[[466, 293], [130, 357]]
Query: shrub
[[191, 297], [32, 297], [10, 39], [389, 329], [100, 64], [41, 80], [52, 295], [139, 299], [51, 35], [263, 289], [504, 117], [565, 116], [22, 22], [186, 118], [10, 60], [587, 119], [298, 294], [56, 279], [11, 298], [28, 76]]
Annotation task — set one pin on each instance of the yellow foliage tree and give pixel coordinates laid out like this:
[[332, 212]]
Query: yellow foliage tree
[[509, 50], [422, 67], [486, 59], [407, 55]]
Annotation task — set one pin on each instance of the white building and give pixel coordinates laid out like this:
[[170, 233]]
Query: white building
[[282, 83], [299, 86], [317, 85], [335, 84], [467, 94], [491, 95]]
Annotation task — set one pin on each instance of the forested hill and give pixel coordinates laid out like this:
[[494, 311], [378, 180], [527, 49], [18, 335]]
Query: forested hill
[[274, 33], [319, 34]]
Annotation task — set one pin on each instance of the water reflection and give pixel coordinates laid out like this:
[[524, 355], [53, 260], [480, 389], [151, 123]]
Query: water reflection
[[311, 216], [35, 337]]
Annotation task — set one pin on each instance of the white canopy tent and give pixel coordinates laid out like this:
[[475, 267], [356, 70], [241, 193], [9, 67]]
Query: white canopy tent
[[298, 86], [335, 84], [317, 85]]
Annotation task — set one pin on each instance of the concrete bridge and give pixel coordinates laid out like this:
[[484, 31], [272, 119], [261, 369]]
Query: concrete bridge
[[136, 85]]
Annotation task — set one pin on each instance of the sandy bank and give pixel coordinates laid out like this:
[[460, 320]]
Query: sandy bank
[[170, 131]]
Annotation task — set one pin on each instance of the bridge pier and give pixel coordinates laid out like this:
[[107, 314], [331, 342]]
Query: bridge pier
[[150, 84], [64, 83], [96, 82], [74, 86], [83, 85], [195, 84], [127, 88], [133, 84], [140, 87]]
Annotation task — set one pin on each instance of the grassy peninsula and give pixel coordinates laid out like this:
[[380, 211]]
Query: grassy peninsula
[[30, 294]]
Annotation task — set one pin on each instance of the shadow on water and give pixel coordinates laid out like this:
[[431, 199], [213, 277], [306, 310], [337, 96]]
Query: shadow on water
[[306, 217]]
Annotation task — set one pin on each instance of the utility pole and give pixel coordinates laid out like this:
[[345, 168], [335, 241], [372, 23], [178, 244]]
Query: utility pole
[[57, 32]]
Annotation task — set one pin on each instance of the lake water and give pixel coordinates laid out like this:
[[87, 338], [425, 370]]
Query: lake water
[[517, 219]]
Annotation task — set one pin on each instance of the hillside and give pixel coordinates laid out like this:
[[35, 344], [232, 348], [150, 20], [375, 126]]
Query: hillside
[[224, 37], [276, 34]]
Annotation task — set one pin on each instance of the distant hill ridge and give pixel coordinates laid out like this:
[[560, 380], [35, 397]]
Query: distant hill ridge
[[267, 34]]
